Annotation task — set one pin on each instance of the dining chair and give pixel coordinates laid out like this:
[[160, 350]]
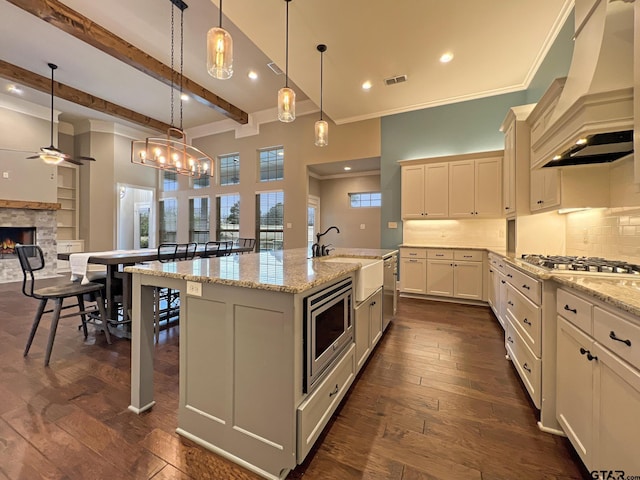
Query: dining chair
[[186, 251], [216, 248], [31, 260], [247, 242]]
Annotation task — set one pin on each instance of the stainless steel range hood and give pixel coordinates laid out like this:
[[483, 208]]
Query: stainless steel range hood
[[591, 120]]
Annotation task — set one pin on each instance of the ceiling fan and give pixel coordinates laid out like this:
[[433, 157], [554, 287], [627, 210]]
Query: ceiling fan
[[52, 155]]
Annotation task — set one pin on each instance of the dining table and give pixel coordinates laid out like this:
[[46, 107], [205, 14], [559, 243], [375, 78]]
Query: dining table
[[115, 261]]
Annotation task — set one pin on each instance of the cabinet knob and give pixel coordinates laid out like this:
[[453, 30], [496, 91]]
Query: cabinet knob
[[506, 208], [526, 367], [510, 303], [509, 275], [526, 321], [591, 357]]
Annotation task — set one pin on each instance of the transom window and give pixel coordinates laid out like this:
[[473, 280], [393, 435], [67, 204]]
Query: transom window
[[169, 181], [271, 163], [229, 169], [202, 182], [365, 200], [168, 212], [199, 219], [228, 217]]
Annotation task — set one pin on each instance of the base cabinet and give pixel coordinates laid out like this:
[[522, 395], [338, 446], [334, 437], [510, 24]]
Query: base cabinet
[[368, 327], [413, 270], [455, 273], [598, 382]]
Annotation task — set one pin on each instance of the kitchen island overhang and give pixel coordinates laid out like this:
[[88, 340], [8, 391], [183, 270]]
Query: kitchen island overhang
[[241, 353]]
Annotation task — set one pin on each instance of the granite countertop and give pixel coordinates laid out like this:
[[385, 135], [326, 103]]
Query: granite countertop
[[455, 247], [288, 271]]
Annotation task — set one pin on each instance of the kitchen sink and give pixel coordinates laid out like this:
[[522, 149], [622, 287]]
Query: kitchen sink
[[368, 278]]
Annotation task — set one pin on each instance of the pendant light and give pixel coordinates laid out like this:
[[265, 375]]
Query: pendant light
[[286, 96], [219, 51], [173, 153], [322, 127]]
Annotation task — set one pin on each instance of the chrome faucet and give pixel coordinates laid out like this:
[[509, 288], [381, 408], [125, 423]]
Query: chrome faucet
[[318, 250]]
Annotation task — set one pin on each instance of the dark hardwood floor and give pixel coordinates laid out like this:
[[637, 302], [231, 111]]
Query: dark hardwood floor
[[437, 400]]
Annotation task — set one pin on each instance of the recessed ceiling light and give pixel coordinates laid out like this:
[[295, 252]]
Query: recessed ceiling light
[[446, 57], [347, 168], [14, 89], [184, 97], [366, 85], [252, 75]]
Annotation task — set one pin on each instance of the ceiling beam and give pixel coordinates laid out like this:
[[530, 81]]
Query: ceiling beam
[[24, 77], [79, 26]]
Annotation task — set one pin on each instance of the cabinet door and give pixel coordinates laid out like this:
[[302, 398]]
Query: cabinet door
[[467, 280], [491, 291], [545, 189], [440, 277], [509, 171], [362, 327], [488, 187], [574, 389], [617, 421], [461, 189], [413, 274], [501, 281], [412, 192], [375, 318], [436, 201]]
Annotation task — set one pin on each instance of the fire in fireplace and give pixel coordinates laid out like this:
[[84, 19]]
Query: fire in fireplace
[[10, 236]]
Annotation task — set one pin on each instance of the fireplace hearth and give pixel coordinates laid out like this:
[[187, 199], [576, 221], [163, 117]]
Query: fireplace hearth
[[11, 236]]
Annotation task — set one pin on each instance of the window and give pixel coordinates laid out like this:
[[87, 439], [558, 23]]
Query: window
[[271, 164], [228, 217], [202, 182], [169, 181], [199, 219], [364, 200], [229, 169], [168, 220], [270, 220]]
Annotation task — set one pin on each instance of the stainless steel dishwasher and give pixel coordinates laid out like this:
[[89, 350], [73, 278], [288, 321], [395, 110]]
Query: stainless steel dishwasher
[[389, 292]]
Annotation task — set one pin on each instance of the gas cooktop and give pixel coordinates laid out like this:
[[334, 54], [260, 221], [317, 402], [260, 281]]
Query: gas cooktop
[[571, 264]]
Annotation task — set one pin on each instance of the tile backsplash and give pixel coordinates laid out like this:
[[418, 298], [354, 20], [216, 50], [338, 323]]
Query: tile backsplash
[[472, 232], [612, 233]]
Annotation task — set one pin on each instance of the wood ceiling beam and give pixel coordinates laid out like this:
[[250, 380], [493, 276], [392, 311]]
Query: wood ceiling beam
[[79, 26], [24, 77]]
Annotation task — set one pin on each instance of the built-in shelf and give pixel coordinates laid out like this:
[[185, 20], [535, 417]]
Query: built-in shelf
[[68, 198]]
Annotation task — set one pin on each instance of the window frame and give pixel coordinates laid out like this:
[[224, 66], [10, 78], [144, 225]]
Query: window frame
[[259, 230], [162, 232], [194, 235], [279, 148], [236, 157], [352, 194], [235, 232]]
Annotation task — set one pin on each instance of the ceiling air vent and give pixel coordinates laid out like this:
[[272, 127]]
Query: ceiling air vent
[[275, 68], [394, 80]]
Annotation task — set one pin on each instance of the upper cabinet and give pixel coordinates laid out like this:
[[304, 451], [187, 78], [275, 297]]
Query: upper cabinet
[[516, 165], [466, 186], [425, 191]]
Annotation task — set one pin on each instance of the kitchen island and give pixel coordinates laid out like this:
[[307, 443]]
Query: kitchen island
[[242, 374]]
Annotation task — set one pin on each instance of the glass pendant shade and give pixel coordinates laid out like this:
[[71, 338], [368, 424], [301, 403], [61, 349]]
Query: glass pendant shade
[[51, 159], [322, 133], [219, 53], [286, 105]]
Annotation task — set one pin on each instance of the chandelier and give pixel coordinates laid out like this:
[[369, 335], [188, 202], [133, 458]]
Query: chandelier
[[173, 153]]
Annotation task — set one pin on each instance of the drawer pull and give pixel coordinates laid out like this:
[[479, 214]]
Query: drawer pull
[[413, 254], [613, 336], [501, 266], [569, 309], [509, 339], [509, 275], [468, 256], [526, 367], [503, 281], [412, 260], [526, 286], [591, 357], [334, 392], [490, 271], [439, 255], [526, 321], [583, 351], [510, 303]]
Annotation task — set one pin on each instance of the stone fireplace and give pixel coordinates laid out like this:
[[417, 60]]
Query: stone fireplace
[[18, 221]]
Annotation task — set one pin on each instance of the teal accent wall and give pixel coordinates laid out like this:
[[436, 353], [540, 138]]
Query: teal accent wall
[[458, 128]]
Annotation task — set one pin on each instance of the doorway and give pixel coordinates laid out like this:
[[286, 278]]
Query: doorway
[[136, 217], [313, 219]]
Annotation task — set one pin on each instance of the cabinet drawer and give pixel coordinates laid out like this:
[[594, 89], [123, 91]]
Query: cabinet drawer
[[468, 255], [528, 286], [576, 310], [413, 252], [525, 316], [439, 254], [527, 365], [618, 335], [315, 411]]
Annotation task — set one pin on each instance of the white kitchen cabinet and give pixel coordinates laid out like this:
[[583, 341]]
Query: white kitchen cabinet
[[516, 164], [424, 191], [413, 270], [598, 374], [368, 327], [545, 189], [475, 188], [455, 273], [574, 406], [497, 287]]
